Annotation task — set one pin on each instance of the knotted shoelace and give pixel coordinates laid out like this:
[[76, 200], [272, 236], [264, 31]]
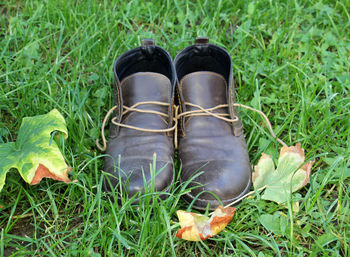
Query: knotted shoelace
[[133, 108], [199, 112]]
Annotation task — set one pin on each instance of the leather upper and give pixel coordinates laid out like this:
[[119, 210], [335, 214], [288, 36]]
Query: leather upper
[[146, 74], [209, 145]]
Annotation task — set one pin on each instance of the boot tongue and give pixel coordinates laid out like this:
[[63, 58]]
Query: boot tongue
[[146, 86], [207, 89]]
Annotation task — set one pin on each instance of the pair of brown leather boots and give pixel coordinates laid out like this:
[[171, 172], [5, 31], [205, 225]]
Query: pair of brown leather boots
[[190, 101]]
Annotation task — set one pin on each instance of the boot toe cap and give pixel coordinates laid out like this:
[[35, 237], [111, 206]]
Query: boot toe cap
[[228, 180], [135, 174]]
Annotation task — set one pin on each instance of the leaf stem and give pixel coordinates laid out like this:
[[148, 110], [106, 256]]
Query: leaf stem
[[244, 196]]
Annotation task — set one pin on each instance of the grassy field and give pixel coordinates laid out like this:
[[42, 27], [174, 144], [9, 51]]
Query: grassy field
[[291, 60]]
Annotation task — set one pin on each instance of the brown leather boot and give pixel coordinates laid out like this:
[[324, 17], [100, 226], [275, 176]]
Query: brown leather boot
[[143, 120], [212, 139]]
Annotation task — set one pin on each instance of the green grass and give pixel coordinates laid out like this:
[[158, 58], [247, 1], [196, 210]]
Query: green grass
[[291, 60]]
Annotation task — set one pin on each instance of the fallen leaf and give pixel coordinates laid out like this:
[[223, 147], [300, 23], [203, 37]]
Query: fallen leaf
[[287, 178], [197, 227], [35, 155]]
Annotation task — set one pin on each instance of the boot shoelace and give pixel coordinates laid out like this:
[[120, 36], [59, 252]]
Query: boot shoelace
[[207, 112], [133, 108], [199, 112]]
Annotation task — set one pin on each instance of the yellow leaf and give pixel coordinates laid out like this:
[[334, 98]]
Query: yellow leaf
[[196, 227]]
